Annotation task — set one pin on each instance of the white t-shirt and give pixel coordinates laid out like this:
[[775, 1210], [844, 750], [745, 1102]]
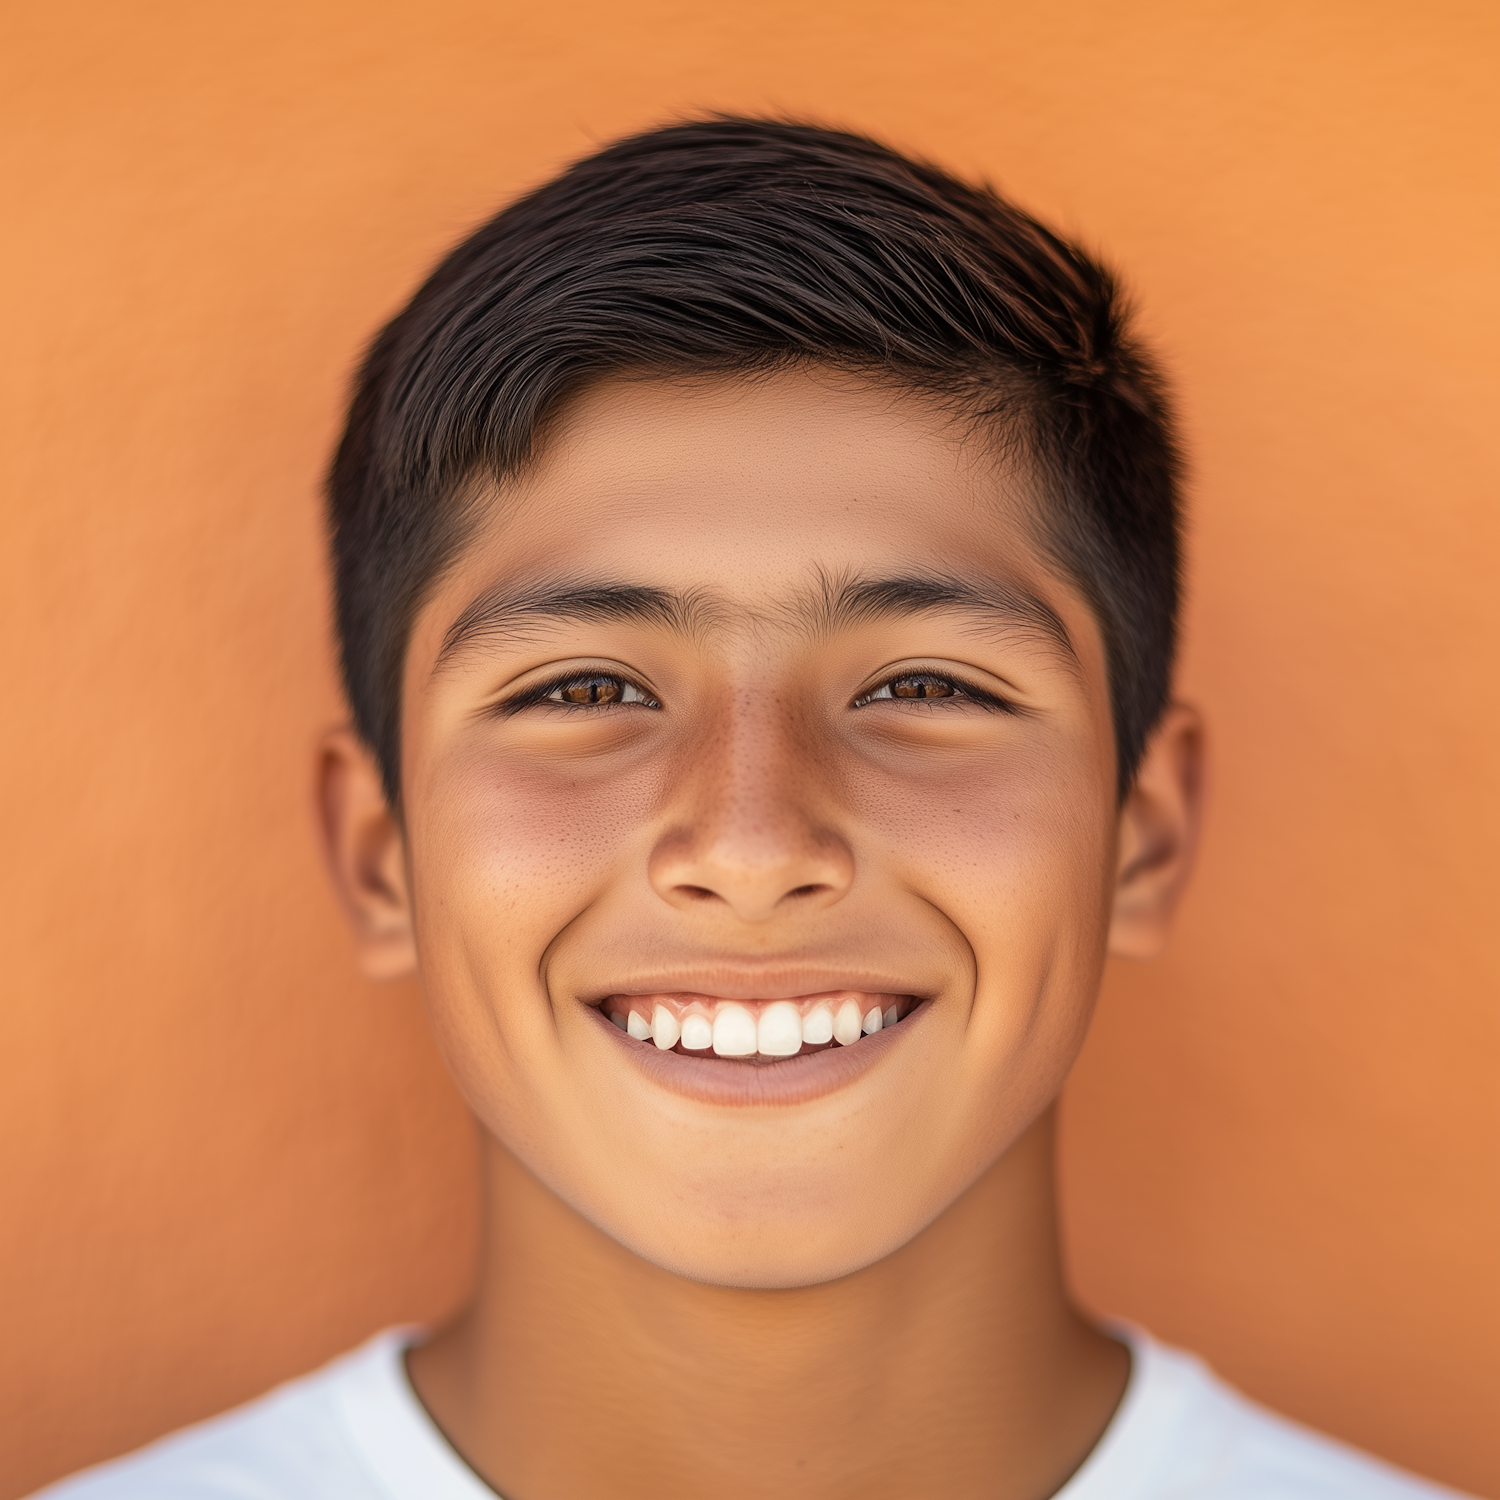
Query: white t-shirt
[[355, 1430]]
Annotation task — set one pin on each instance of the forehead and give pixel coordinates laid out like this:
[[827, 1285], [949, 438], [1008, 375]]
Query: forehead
[[752, 487]]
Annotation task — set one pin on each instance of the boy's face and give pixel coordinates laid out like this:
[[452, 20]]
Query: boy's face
[[758, 691]]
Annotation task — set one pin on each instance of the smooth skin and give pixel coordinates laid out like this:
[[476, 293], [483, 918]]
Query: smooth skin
[[783, 763]]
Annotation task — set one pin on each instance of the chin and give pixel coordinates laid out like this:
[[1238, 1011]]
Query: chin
[[761, 1259], [801, 1229]]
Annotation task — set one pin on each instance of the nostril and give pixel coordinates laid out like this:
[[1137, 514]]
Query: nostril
[[698, 893], [808, 890]]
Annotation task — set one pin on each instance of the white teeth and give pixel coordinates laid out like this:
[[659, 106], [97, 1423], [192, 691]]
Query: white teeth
[[817, 1026], [734, 1032], [779, 1033], [774, 1028], [664, 1028], [846, 1025], [697, 1034]]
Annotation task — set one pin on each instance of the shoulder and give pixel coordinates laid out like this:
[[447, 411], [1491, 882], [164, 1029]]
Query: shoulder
[[293, 1444], [1184, 1433]]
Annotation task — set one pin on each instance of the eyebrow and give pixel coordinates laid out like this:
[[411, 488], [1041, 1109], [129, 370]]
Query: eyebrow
[[840, 604], [510, 613], [831, 605]]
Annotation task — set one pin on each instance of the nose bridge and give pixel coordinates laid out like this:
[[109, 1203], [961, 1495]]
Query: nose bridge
[[756, 772], [751, 823]]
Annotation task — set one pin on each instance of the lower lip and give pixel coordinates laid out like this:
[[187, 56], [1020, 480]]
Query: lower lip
[[792, 1080]]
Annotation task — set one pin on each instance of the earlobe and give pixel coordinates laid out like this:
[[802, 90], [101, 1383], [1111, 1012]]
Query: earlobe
[[1159, 827], [366, 855]]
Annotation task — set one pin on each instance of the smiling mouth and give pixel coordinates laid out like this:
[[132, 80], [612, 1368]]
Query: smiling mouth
[[756, 1031]]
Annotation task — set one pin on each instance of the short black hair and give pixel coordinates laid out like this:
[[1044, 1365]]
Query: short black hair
[[734, 245]]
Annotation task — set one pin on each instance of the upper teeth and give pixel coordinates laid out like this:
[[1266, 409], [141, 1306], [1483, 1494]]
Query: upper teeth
[[776, 1028], [664, 1027], [735, 1032]]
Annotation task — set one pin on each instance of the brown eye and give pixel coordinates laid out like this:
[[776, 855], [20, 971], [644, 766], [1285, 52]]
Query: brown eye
[[910, 686], [922, 685], [592, 690], [595, 690]]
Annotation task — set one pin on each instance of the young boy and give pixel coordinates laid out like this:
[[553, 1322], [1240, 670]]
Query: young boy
[[757, 569]]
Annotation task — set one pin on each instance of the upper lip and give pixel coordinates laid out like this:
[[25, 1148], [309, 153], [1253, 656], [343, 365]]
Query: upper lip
[[729, 981]]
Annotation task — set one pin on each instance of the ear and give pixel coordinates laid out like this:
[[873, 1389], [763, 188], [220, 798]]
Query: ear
[[366, 855], [1159, 826]]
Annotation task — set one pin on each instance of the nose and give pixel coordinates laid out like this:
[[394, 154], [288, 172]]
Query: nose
[[751, 832]]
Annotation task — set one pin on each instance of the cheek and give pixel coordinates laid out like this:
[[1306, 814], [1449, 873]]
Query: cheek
[[1017, 856], [1013, 840], [1015, 852], [507, 854], [512, 849]]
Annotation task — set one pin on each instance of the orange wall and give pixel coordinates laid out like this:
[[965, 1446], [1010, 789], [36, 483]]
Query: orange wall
[[225, 1157]]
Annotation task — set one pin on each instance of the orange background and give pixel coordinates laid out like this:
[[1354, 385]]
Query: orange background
[[226, 1157]]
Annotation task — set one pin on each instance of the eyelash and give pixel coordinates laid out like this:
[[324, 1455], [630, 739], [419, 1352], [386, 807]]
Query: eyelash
[[882, 692]]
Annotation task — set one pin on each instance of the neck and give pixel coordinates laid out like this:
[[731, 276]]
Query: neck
[[955, 1367]]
